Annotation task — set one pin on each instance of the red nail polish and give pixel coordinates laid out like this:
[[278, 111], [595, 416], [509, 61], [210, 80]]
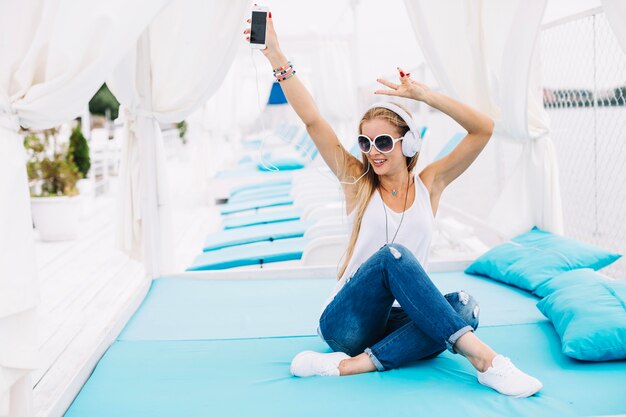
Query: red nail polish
[[270, 15], [401, 74]]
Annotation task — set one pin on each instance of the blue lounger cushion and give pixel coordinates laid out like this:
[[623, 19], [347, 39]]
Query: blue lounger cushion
[[262, 193], [253, 173], [246, 220], [250, 377], [251, 254], [259, 185], [588, 311], [230, 208], [531, 259], [184, 308], [260, 233], [252, 143], [246, 159], [282, 164], [450, 145]]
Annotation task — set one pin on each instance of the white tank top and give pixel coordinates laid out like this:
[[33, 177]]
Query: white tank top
[[415, 232]]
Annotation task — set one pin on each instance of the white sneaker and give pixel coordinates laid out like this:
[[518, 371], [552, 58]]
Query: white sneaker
[[309, 363], [505, 378]]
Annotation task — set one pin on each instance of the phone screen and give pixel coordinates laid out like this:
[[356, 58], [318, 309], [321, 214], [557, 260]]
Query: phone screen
[[257, 33]]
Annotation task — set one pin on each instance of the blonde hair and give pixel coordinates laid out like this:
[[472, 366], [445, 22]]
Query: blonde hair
[[369, 183]]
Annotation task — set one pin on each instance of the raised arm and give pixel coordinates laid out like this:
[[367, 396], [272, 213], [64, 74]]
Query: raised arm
[[342, 163], [479, 128]]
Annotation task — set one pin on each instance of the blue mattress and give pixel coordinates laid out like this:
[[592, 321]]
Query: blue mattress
[[251, 254], [230, 208], [450, 145], [191, 309], [259, 185], [218, 347], [252, 143], [267, 192], [259, 233], [283, 164], [245, 220], [253, 173], [250, 377], [268, 166]]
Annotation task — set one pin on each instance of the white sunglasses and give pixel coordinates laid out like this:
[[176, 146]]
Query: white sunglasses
[[384, 143]]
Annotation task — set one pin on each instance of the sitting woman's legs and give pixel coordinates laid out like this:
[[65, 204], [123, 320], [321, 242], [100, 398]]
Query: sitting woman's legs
[[359, 316], [402, 335]]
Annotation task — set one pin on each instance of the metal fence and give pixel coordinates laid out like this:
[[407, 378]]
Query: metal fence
[[584, 79]]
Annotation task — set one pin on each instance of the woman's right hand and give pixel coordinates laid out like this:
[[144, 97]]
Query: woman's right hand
[[272, 48]]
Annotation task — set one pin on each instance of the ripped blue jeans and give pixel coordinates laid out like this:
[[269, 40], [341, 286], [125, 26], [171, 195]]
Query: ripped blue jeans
[[361, 317]]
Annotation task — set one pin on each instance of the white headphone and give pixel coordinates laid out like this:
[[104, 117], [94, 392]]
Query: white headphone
[[412, 141]]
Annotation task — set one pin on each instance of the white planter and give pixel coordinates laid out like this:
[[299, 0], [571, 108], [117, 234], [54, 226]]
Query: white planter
[[56, 218], [87, 192], [86, 187]]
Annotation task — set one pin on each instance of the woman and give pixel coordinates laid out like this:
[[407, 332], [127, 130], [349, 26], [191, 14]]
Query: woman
[[393, 217]]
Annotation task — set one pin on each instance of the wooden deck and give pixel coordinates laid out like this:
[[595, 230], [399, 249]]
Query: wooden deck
[[88, 287]]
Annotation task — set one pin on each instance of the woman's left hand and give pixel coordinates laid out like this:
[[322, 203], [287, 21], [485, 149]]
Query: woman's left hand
[[408, 87]]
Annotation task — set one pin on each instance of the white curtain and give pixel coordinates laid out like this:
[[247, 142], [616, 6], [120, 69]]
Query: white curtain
[[217, 125], [252, 76], [198, 137], [178, 62], [54, 55], [335, 86], [615, 11], [482, 53], [334, 89]]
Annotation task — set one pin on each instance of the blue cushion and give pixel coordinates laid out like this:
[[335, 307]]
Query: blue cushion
[[262, 193], [252, 173], [257, 253], [230, 208], [567, 279], [448, 147], [588, 311], [260, 185], [283, 164], [246, 220], [531, 259], [259, 233]]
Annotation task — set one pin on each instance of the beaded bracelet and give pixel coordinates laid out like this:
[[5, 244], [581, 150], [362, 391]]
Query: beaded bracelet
[[284, 72], [288, 76], [287, 65]]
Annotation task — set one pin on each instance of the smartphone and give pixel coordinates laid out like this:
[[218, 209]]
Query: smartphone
[[258, 27]]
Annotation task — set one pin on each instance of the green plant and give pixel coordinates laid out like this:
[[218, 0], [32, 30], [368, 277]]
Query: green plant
[[50, 167], [79, 149], [182, 129], [102, 101]]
